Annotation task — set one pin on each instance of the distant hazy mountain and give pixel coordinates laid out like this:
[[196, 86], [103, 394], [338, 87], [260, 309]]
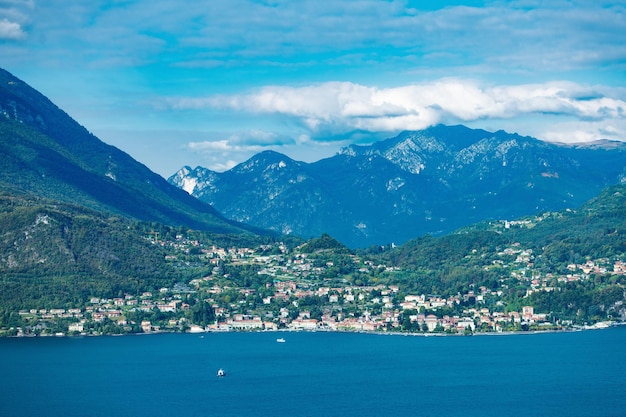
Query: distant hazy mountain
[[44, 152], [426, 182]]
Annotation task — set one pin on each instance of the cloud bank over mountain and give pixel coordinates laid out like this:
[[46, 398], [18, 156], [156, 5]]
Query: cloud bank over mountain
[[343, 107]]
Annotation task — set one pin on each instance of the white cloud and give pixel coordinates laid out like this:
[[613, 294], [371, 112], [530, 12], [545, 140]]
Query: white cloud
[[585, 131], [245, 141], [238, 33], [342, 107], [14, 14], [11, 30], [222, 166], [207, 145]]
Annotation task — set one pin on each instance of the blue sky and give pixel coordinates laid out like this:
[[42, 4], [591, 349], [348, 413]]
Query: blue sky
[[213, 82]]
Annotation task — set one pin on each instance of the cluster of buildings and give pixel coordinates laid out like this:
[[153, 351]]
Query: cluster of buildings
[[113, 311], [383, 311], [294, 297]]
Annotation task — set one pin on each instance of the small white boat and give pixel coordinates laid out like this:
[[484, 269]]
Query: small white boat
[[280, 340], [221, 373]]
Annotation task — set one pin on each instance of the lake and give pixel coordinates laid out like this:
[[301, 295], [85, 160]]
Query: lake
[[316, 374]]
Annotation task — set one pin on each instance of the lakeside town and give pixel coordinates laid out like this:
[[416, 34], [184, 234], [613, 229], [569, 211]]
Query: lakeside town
[[286, 289]]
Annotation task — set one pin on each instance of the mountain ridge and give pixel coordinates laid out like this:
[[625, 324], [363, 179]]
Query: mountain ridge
[[45, 152], [419, 182]]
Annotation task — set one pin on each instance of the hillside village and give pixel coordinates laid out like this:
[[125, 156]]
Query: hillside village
[[301, 291]]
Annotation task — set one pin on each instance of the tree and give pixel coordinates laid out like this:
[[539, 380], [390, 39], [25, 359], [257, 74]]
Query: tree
[[202, 313]]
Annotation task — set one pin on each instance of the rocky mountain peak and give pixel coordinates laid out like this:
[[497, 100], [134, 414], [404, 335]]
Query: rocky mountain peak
[[266, 160], [430, 181]]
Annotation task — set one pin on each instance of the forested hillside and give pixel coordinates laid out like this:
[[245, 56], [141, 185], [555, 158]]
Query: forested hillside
[[60, 254], [566, 268], [546, 251], [46, 153]]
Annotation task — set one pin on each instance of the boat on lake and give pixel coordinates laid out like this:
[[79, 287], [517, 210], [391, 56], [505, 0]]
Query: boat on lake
[[280, 340], [221, 373]]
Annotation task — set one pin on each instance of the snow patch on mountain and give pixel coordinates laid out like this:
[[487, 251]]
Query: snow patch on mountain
[[189, 184]]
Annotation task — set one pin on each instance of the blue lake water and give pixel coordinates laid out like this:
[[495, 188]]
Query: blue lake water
[[316, 374]]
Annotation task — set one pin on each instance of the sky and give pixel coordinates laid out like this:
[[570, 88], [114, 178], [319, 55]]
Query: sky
[[212, 83]]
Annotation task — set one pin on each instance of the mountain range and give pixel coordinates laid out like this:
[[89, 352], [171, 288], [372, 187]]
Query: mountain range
[[44, 152], [420, 182], [425, 182]]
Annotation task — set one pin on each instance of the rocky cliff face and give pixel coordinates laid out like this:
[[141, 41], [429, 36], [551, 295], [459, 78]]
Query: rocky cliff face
[[425, 182]]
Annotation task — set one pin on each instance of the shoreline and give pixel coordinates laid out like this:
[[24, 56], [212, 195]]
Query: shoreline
[[597, 326]]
